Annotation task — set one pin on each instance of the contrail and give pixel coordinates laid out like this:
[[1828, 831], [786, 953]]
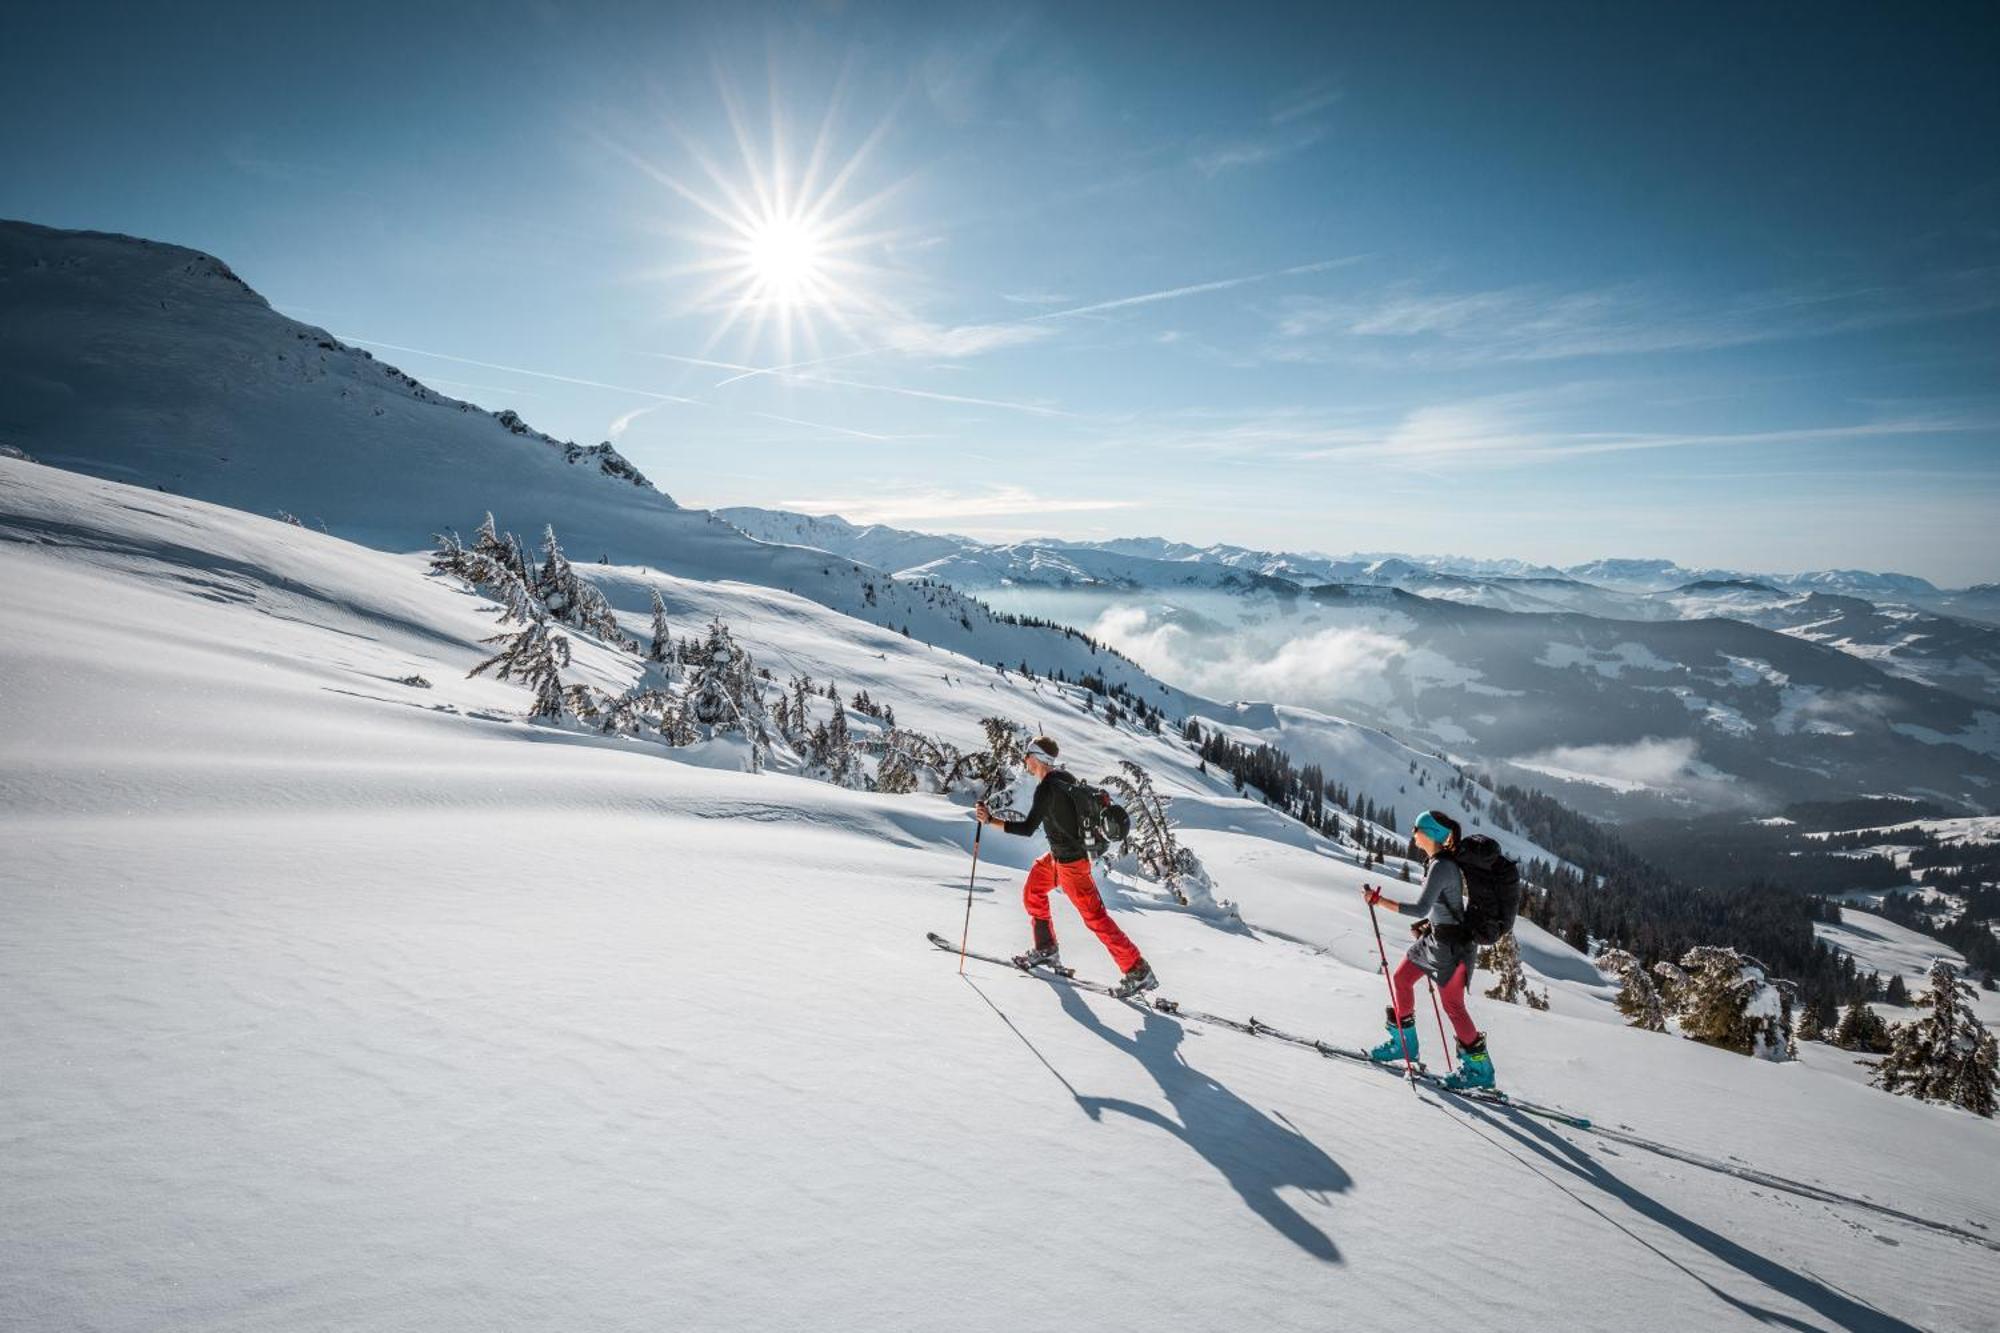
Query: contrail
[[1116, 303], [626, 388], [1195, 289], [522, 370]]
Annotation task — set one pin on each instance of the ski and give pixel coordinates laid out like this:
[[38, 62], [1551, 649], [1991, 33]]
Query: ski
[[1066, 975], [1255, 1027]]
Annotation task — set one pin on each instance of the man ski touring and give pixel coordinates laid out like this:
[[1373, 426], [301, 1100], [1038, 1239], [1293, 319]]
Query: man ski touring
[[1058, 810], [1446, 951]]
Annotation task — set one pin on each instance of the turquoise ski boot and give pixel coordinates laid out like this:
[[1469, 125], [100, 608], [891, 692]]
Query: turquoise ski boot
[[1475, 1068], [1402, 1042]]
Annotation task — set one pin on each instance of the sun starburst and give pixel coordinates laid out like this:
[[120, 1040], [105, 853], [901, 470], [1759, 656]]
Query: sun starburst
[[790, 250]]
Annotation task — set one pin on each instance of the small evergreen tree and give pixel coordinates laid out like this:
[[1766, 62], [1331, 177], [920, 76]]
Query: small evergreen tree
[[988, 772], [676, 726], [1151, 842], [912, 761], [487, 572], [1673, 986], [1862, 1029], [571, 600], [1897, 992], [1510, 982], [661, 647], [1817, 1021], [534, 655], [831, 751], [1729, 1003], [1638, 997], [1947, 1055], [724, 694]]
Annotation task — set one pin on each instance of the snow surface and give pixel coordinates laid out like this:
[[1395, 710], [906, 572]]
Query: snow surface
[[332, 1002]]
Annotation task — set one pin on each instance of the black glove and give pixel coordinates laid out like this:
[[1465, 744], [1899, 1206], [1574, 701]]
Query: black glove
[[1421, 928]]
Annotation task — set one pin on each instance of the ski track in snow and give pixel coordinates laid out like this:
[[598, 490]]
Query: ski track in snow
[[327, 1002]]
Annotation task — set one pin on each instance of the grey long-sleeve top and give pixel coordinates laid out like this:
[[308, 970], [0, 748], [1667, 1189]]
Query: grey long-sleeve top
[[1443, 898]]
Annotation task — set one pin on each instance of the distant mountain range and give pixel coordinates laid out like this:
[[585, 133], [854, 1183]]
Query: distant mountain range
[[901, 551], [1623, 684]]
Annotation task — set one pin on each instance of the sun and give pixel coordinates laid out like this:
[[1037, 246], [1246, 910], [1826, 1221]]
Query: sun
[[786, 258], [791, 248]]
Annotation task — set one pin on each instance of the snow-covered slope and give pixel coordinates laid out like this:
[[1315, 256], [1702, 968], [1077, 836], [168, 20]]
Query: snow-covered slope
[[156, 365], [335, 1001]]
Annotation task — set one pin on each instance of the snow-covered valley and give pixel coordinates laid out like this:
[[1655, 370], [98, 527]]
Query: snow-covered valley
[[333, 1001]]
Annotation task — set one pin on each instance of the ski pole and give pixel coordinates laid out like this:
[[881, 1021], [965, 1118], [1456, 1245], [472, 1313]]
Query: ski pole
[[1444, 1042], [1409, 1065], [966, 936]]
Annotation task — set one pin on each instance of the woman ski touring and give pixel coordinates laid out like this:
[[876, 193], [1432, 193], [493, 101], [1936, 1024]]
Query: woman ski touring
[[1057, 809], [1453, 924]]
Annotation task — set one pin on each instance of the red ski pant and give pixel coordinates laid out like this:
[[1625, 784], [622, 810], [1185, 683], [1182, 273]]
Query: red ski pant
[[1073, 878], [1452, 993]]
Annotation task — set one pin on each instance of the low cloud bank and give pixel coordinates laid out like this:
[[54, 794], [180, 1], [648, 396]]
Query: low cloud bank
[[1323, 668]]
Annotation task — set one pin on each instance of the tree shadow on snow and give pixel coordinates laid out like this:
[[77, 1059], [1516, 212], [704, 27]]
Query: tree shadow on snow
[[1255, 1153], [1570, 1160]]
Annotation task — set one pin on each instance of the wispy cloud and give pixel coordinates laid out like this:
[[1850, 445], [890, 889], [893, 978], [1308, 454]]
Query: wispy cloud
[[956, 343], [814, 377], [950, 505], [1413, 325], [1214, 158], [1292, 127], [1504, 430], [623, 421], [1306, 101]]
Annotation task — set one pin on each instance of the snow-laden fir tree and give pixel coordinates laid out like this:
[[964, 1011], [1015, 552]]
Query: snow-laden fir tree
[[1638, 997], [487, 572], [989, 772], [1673, 986], [570, 599], [830, 752], [639, 711], [676, 726], [503, 551], [912, 761], [660, 649], [1818, 1020], [724, 693], [1151, 843], [1510, 982], [535, 655], [1729, 1002], [1947, 1055], [1862, 1029]]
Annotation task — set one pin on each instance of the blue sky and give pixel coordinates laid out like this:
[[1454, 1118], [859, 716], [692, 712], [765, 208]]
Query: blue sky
[[1551, 283]]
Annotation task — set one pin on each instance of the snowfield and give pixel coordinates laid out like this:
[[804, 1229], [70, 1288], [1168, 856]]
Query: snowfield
[[329, 1001]]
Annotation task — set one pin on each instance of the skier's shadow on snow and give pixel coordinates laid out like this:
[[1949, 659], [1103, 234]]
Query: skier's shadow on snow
[[1254, 1152], [1831, 1304]]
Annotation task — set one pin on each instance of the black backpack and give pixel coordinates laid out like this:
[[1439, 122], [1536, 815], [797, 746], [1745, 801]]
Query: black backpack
[[1102, 820], [1492, 888]]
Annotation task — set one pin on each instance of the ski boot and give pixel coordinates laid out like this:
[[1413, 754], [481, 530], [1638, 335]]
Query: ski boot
[[1139, 978], [1475, 1068], [1402, 1042], [1047, 956]]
